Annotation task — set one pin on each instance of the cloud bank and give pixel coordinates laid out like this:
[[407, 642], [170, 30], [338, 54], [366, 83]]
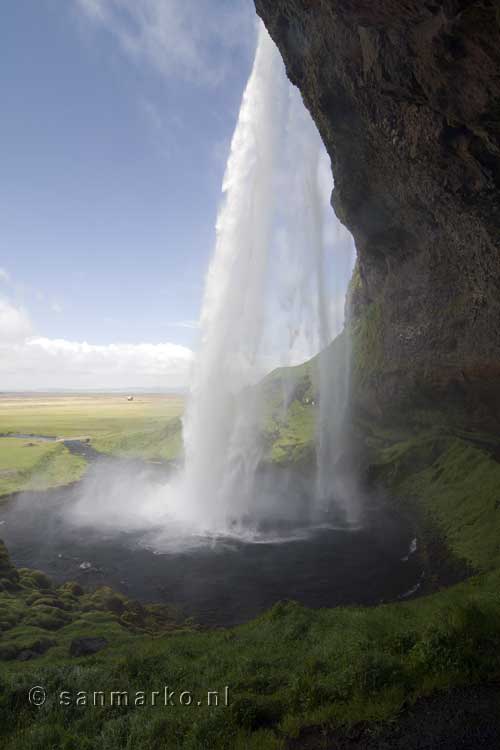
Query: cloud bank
[[30, 362]]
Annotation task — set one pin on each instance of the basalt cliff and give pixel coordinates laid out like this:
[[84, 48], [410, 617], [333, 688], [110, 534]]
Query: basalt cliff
[[406, 96]]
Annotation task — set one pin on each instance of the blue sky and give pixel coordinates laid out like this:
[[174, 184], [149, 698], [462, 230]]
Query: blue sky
[[116, 123]]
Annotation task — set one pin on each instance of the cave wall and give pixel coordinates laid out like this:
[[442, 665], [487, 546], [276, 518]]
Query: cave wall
[[406, 96]]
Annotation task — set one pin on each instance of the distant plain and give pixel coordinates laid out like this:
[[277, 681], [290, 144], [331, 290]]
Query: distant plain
[[147, 427]]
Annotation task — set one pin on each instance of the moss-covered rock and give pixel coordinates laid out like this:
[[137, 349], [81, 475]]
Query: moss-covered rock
[[9, 576]]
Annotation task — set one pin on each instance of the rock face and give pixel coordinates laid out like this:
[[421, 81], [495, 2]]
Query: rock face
[[406, 96]]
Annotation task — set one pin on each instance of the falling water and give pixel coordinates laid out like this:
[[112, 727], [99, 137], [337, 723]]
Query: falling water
[[221, 445], [269, 288]]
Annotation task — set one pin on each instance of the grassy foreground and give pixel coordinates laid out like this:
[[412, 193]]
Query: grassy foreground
[[290, 669]]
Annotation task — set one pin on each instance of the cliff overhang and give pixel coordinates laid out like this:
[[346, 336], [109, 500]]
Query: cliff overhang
[[406, 96]]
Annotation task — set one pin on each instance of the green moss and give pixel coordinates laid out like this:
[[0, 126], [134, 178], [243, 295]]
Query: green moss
[[355, 284], [367, 344], [34, 609], [34, 579]]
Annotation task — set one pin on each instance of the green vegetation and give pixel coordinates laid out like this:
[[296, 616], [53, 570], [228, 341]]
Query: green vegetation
[[32, 465], [288, 669], [289, 414], [106, 419], [32, 609], [367, 337], [455, 483], [292, 668], [154, 443], [149, 427], [291, 402]]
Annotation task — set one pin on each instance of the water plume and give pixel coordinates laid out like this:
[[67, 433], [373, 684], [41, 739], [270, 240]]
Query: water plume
[[268, 290], [274, 296], [221, 446]]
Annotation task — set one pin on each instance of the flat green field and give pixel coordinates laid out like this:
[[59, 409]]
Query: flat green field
[[96, 415], [148, 427]]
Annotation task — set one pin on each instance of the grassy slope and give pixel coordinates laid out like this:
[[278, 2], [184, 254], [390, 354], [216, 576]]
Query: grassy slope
[[286, 670], [455, 481], [38, 466], [290, 397], [289, 415]]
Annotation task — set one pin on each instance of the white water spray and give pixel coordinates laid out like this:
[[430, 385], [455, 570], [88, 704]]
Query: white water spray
[[220, 435], [274, 296], [273, 209]]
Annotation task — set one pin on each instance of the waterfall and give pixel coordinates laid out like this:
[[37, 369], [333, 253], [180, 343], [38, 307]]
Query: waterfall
[[220, 433], [269, 289]]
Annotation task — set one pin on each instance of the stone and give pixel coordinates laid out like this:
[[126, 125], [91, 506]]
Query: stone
[[405, 96], [87, 646]]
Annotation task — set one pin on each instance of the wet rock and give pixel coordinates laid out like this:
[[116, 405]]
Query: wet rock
[[405, 96], [25, 651], [87, 646], [26, 655]]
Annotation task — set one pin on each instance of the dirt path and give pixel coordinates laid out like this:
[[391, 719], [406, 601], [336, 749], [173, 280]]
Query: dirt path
[[462, 719]]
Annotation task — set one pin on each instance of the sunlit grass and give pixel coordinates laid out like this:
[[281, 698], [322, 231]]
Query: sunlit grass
[[31, 465], [148, 427], [96, 416]]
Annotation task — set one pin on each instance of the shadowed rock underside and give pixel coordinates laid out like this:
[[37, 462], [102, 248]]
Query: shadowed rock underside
[[406, 95]]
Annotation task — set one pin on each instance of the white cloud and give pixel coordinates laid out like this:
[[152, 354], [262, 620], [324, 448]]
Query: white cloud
[[56, 308], [4, 276], [33, 362], [176, 37], [15, 324]]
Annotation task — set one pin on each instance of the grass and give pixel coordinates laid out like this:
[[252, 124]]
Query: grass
[[289, 669], [289, 420], [457, 486], [104, 418], [149, 427], [291, 406], [154, 442], [31, 465]]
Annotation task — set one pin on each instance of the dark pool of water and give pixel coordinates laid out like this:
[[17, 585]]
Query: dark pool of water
[[225, 583]]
